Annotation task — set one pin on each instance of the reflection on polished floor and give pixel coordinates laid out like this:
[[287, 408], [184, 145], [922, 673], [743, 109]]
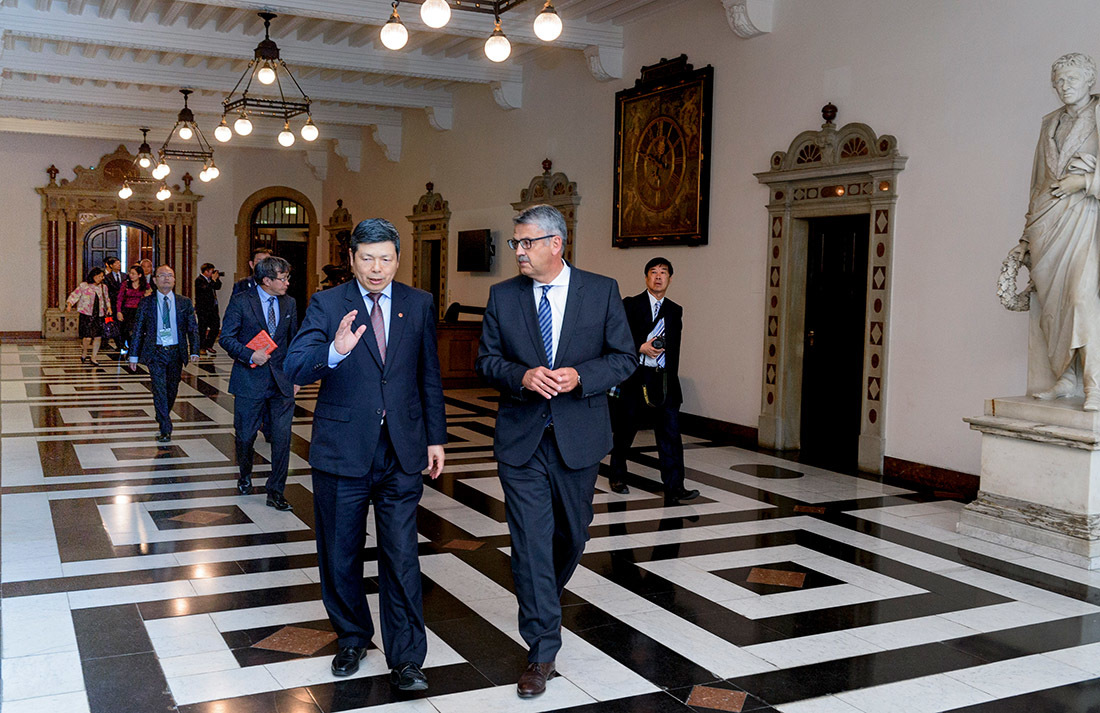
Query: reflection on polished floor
[[134, 579]]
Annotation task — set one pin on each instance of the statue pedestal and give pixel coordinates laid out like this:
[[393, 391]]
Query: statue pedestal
[[1040, 479]]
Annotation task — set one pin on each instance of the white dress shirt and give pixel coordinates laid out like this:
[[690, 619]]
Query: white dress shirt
[[558, 294], [658, 328]]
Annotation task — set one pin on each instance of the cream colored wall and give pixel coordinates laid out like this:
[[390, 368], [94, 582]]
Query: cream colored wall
[[27, 157], [962, 86]]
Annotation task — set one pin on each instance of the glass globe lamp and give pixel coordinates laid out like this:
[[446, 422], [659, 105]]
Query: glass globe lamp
[[497, 47], [435, 13], [548, 24], [394, 35]]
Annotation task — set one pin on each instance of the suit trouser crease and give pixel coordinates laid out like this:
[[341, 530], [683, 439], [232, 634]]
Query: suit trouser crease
[[341, 505], [625, 416], [549, 508], [248, 415], [165, 371]]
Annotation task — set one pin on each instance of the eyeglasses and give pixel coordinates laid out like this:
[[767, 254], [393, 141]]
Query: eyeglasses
[[284, 278], [525, 243]]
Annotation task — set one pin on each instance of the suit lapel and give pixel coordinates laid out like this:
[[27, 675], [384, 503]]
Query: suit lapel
[[573, 307], [398, 304], [530, 317], [258, 308], [355, 300]]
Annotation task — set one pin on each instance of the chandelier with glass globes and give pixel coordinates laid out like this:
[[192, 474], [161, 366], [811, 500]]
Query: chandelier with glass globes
[[185, 129], [266, 67], [137, 174], [436, 14]]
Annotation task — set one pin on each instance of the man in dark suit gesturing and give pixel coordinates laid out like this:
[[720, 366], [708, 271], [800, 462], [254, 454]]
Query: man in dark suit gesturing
[[657, 324], [207, 285], [165, 333], [379, 422], [258, 383], [553, 341]]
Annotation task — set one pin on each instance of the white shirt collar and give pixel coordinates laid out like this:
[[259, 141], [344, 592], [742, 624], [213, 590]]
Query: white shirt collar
[[363, 291], [561, 279]]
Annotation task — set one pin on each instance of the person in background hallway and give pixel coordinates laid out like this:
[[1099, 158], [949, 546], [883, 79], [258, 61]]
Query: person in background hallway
[[114, 278], [129, 297], [207, 285], [258, 383], [248, 282], [147, 268], [654, 388], [164, 335], [90, 299], [553, 341], [378, 423]]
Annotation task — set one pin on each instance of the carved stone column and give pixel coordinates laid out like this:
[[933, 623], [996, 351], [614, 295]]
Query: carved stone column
[[430, 219]]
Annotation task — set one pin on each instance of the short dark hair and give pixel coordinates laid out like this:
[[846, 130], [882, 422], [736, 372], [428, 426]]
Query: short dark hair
[[270, 267], [110, 260], [143, 283], [657, 262], [206, 266], [92, 273], [257, 251], [374, 230]]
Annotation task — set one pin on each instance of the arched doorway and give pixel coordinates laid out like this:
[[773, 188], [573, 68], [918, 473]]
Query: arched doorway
[[128, 241], [284, 219], [282, 226]]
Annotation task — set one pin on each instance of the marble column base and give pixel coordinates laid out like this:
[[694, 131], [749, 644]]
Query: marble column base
[[1040, 479], [59, 324]]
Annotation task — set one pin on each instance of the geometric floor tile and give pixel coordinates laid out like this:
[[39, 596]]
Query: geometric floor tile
[[718, 699], [297, 640]]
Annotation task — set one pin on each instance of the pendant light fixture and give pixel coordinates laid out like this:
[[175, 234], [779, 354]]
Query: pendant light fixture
[[394, 35], [185, 129], [138, 171], [497, 47]]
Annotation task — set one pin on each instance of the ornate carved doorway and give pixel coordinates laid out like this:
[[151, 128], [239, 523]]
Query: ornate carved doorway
[[282, 218], [849, 171]]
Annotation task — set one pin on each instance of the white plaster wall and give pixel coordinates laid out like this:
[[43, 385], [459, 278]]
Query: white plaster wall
[[961, 84], [26, 158]]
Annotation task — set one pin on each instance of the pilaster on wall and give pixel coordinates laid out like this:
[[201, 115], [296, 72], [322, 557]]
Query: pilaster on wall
[[431, 221], [825, 173], [557, 190]]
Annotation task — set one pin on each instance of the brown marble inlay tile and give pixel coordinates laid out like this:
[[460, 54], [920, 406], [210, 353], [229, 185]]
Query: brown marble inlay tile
[[463, 545], [200, 517], [296, 640], [779, 577], [810, 509], [719, 699]]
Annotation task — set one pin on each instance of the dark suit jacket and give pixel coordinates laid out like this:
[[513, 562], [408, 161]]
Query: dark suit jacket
[[206, 297], [244, 319], [243, 285], [143, 337], [114, 284], [595, 340], [640, 315], [346, 420]]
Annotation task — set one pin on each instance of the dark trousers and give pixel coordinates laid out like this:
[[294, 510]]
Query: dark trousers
[[165, 370], [209, 325], [627, 413], [340, 505], [248, 414], [549, 509]]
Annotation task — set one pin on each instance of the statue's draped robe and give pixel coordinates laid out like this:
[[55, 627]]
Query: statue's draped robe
[[1062, 233]]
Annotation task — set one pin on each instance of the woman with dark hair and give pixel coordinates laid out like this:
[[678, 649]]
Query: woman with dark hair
[[90, 298], [129, 296]]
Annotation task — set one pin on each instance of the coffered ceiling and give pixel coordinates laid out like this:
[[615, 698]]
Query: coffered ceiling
[[102, 68]]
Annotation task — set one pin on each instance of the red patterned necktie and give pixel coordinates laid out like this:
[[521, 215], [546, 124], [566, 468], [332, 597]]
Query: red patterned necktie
[[377, 324]]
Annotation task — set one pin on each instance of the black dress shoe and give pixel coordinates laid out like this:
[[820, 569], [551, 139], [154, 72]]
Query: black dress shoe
[[408, 677], [532, 682], [244, 487], [346, 661], [277, 501], [681, 493], [619, 487], [164, 438]]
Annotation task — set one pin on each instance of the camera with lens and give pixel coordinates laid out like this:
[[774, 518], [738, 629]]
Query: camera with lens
[[659, 342]]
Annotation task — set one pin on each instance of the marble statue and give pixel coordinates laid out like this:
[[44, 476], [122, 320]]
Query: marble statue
[[1060, 234]]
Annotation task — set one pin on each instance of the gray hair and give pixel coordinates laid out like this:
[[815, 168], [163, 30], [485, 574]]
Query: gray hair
[[271, 268], [1077, 61], [548, 219]]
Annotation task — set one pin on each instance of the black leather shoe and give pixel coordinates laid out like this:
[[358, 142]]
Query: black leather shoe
[[618, 487], [164, 438], [408, 677], [681, 494], [532, 682], [277, 501], [346, 661], [244, 487]]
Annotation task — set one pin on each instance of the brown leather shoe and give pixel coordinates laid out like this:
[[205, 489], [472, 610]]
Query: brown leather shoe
[[532, 682]]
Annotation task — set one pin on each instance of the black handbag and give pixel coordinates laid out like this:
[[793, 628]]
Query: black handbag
[[110, 328]]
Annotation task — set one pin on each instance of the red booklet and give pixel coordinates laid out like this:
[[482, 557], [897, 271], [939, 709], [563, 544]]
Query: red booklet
[[263, 341]]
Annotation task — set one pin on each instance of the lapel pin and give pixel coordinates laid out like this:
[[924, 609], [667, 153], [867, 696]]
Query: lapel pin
[[400, 314]]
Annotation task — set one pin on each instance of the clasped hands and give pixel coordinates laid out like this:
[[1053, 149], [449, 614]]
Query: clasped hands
[[548, 383]]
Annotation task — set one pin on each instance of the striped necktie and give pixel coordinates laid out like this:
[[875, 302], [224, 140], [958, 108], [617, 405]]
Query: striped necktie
[[546, 325], [661, 356], [271, 323]]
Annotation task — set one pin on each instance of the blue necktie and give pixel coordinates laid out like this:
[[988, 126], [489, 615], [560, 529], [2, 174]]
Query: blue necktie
[[661, 356], [546, 325]]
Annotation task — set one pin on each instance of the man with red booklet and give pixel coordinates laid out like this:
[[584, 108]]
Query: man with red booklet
[[258, 326]]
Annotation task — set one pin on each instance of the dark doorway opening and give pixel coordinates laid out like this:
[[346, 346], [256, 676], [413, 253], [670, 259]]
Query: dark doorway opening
[[431, 270], [129, 242], [282, 226], [832, 361]]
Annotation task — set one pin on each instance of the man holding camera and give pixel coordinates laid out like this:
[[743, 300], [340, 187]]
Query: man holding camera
[[656, 323], [207, 285]]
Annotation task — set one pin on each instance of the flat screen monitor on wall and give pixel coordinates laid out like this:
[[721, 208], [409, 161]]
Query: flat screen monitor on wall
[[475, 250]]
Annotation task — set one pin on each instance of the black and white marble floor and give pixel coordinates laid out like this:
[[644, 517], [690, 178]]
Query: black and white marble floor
[[132, 578]]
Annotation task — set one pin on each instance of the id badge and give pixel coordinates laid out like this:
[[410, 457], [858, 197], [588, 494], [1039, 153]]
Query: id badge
[[164, 334]]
